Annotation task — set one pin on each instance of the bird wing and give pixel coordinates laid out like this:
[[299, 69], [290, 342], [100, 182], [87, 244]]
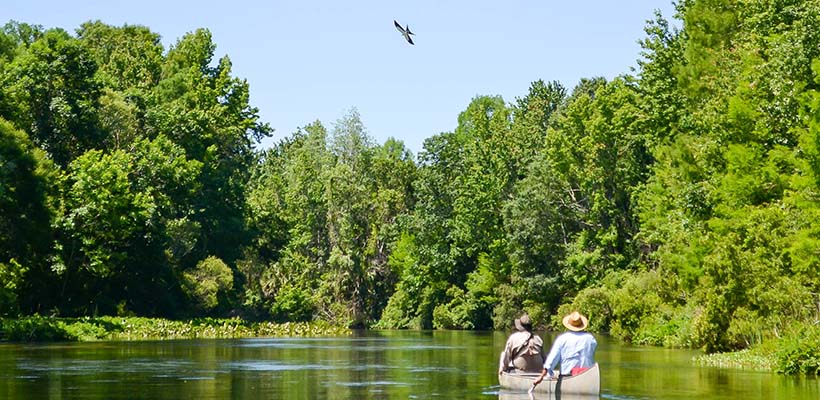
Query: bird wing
[[398, 26], [409, 39]]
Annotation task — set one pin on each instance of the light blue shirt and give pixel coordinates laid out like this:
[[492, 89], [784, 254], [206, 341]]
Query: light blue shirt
[[571, 349]]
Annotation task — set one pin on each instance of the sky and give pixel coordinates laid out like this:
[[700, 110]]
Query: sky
[[308, 60]]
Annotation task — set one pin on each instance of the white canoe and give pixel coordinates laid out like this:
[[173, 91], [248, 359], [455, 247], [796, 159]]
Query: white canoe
[[586, 383]]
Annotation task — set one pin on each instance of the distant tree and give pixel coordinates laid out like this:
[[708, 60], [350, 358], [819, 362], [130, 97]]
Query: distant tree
[[204, 282]]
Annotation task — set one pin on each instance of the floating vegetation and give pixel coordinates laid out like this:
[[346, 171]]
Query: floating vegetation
[[743, 359], [37, 328]]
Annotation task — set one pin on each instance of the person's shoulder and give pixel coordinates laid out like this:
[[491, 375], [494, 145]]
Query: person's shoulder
[[577, 335], [514, 335]]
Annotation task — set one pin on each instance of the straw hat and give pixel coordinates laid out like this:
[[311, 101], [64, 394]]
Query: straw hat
[[575, 321], [524, 323]]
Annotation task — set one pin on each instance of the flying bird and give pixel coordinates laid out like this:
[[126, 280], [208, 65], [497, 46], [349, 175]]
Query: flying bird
[[404, 31]]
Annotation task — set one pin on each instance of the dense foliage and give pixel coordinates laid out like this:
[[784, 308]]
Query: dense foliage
[[675, 205]]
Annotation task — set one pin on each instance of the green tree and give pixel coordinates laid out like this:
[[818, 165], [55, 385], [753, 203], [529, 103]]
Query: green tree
[[726, 207], [287, 212], [50, 91], [204, 282], [27, 208], [462, 180], [362, 210], [206, 111], [129, 60], [570, 220], [124, 218]]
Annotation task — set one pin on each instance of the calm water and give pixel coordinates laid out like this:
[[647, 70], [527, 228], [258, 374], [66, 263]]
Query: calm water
[[371, 365]]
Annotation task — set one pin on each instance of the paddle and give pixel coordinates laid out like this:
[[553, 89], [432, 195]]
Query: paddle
[[535, 383]]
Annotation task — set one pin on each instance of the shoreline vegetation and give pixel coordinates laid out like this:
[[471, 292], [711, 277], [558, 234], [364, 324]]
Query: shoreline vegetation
[[797, 352], [89, 329]]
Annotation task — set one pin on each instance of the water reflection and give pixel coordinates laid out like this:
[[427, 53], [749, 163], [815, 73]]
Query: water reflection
[[541, 396], [372, 365]]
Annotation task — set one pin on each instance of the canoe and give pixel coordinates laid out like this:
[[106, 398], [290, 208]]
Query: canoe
[[586, 383]]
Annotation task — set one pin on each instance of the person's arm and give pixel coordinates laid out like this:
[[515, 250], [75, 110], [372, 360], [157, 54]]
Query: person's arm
[[592, 347], [554, 356], [504, 360], [544, 373], [540, 377]]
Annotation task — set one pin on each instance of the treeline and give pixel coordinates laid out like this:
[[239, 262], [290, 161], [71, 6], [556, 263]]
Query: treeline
[[677, 204]]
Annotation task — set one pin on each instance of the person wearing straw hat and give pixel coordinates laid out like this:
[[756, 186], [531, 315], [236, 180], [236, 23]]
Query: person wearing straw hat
[[573, 350], [524, 351]]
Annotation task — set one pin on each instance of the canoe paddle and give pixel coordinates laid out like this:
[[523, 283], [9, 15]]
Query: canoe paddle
[[535, 384]]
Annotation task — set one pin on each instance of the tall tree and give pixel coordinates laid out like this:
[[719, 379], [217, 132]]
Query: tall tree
[[463, 178], [50, 90], [129, 60], [206, 111], [27, 207]]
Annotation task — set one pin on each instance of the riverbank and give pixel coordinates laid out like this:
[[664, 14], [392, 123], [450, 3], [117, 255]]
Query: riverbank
[[47, 329], [796, 352]]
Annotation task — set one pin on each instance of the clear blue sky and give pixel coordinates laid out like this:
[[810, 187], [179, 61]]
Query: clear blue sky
[[307, 60]]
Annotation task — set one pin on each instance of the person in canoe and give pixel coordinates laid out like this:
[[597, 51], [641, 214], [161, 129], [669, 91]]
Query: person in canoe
[[574, 350], [524, 351]]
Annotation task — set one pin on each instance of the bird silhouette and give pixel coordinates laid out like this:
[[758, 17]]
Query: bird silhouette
[[404, 31]]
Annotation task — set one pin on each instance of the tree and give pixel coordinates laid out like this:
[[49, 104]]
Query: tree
[[206, 111], [722, 207], [27, 207], [50, 91], [129, 60], [462, 180], [123, 230], [203, 283]]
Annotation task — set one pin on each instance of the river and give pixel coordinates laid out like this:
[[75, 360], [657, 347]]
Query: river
[[367, 365]]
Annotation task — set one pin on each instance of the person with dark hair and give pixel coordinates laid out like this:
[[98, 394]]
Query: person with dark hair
[[524, 351]]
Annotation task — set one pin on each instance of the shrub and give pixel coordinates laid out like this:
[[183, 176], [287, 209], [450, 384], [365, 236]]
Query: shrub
[[745, 328], [88, 328], [34, 329], [11, 275], [292, 304], [799, 351], [592, 302], [203, 283], [636, 299], [668, 326], [396, 315]]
